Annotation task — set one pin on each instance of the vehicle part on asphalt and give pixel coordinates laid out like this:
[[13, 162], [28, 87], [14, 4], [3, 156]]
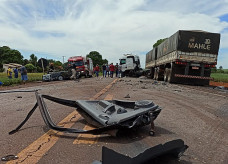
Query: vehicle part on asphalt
[[107, 116], [165, 153], [127, 96], [9, 158]]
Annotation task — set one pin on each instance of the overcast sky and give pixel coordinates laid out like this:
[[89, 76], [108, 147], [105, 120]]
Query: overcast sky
[[56, 28]]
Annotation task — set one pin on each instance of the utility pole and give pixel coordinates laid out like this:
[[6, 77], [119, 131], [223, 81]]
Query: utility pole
[[63, 58]]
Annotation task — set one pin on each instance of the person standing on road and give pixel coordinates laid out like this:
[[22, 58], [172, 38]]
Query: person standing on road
[[96, 70], [104, 70], [24, 76], [112, 69], [107, 70], [120, 71], [9, 72], [73, 70], [15, 73], [116, 69]]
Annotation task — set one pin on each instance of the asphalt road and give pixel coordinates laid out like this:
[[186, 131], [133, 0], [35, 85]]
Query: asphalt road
[[199, 117]]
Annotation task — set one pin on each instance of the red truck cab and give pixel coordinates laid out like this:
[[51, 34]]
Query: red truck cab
[[83, 64]]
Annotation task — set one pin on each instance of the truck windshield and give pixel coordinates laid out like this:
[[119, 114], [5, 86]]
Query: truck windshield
[[122, 61], [79, 63]]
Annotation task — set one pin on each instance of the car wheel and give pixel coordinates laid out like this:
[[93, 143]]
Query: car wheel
[[60, 78]]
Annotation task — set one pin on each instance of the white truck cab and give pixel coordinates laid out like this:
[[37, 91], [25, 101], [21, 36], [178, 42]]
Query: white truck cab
[[130, 62]]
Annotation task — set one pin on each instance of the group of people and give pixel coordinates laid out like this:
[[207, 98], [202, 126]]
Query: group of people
[[22, 70], [109, 70]]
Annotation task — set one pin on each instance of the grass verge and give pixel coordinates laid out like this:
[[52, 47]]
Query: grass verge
[[220, 77], [31, 77]]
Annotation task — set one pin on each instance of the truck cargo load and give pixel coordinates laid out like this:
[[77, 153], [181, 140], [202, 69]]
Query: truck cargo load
[[184, 57]]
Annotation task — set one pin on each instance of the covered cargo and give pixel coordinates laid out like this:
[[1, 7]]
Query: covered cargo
[[190, 41], [185, 55]]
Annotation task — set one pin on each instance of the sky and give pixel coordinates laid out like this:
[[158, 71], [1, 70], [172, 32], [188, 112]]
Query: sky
[[55, 28]]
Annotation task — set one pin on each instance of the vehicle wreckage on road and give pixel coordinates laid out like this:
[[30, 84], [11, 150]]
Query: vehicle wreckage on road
[[108, 116]]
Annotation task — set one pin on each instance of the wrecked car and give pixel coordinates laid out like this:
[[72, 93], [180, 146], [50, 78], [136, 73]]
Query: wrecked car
[[61, 75]]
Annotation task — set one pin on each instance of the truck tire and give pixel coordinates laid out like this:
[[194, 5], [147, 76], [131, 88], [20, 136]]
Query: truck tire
[[156, 74], [131, 73], [169, 75], [166, 74], [60, 78]]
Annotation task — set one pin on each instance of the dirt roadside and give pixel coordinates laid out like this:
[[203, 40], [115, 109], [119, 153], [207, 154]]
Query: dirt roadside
[[199, 118]]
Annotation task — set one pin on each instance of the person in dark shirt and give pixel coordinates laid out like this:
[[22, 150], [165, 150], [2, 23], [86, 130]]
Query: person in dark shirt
[[24, 76], [15, 72], [116, 69], [104, 70], [107, 70]]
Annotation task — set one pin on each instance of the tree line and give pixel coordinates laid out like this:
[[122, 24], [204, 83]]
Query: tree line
[[8, 55]]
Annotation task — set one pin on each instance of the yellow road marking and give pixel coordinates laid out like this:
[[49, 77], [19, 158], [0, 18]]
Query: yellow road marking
[[34, 152], [38, 148], [89, 138]]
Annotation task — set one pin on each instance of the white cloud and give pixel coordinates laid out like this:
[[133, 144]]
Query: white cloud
[[110, 27]]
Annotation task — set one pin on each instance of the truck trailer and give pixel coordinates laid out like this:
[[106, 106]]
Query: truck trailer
[[184, 57]]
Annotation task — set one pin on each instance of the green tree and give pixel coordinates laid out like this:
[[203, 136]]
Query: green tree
[[33, 60], [25, 61], [159, 42], [30, 67], [58, 63], [97, 58], [8, 55]]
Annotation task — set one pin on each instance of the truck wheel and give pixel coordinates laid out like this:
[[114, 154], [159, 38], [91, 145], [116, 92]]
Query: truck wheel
[[169, 76], [166, 75], [131, 73], [155, 75], [60, 78]]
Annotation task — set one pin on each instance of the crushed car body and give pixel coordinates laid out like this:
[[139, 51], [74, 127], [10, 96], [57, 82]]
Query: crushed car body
[[106, 116]]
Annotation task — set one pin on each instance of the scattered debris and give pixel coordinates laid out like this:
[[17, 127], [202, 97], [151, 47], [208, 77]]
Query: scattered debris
[[220, 88], [127, 80], [143, 87], [164, 83], [127, 96], [165, 153], [155, 82], [143, 77], [9, 158]]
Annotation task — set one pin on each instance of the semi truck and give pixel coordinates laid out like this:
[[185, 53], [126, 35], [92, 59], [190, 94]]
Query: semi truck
[[185, 57], [130, 65], [83, 64]]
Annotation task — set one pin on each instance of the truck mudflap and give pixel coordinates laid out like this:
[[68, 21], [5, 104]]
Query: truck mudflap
[[193, 77], [169, 152], [107, 116]]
